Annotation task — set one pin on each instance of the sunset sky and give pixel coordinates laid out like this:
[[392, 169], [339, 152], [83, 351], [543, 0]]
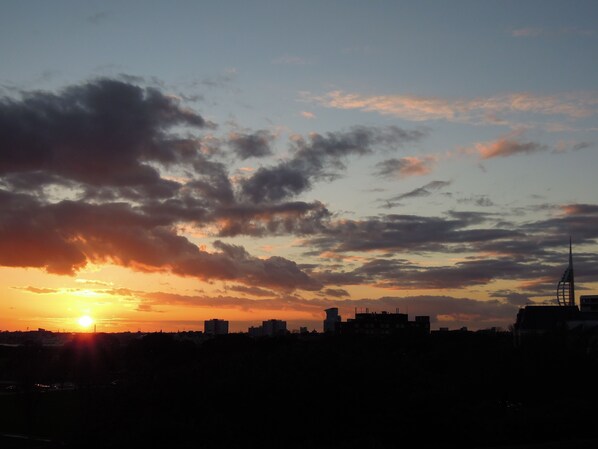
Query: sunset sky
[[163, 163]]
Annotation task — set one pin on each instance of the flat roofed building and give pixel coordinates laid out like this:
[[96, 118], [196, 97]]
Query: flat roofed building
[[384, 323], [216, 327], [544, 318], [588, 303], [332, 320], [274, 327]]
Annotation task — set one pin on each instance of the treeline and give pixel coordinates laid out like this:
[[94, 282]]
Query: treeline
[[456, 389]]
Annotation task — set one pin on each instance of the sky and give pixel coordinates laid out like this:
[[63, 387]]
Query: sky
[[164, 163]]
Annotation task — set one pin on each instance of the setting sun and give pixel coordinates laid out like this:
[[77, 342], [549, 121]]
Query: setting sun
[[85, 321]]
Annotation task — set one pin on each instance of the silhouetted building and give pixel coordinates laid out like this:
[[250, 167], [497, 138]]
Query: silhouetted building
[[588, 303], [332, 321], [384, 323], [542, 318], [564, 315], [274, 327], [268, 328], [255, 331], [216, 327]]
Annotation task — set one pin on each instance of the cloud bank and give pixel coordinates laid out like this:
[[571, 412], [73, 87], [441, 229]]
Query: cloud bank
[[110, 172]]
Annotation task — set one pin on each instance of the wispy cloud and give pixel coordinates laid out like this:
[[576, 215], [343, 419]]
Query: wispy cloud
[[566, 146], [308, 115], [406, 166], [321, 157], [489, 109], [477, 200], [420, 192], [425, 190], [37, 290], [507, 147], [510, 144]]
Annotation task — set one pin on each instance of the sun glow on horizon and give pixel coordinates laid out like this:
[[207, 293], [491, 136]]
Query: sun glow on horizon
[[85, 321]]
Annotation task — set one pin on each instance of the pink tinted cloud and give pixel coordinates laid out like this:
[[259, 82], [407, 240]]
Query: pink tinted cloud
[[477, 110], [507, 147], [415, 166], [406, 166]]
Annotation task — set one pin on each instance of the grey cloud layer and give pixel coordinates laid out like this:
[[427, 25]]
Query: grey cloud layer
[[246, 145], [533, 254], [63, 237], [320, 157], [102, 133], [107, 144]]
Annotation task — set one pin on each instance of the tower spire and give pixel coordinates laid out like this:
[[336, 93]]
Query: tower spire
[[565, 293], [572, 278]]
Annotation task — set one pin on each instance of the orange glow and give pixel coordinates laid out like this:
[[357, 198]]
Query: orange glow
[[85, 321]]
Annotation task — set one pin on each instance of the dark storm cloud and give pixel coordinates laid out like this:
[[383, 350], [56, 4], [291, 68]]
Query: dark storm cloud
[[273, 272], [64, 237], [297, 218], [211, 181], [408, 233], [105, 143], [533, 254], [576, 220], [102, 133], [320, 157], [230, 220], [256, 144], [276, 183], [104, 140], [402, 274], [465, 274], [335, 277]]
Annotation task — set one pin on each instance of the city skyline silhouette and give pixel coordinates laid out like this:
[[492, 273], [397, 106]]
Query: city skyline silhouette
[[421, 158]]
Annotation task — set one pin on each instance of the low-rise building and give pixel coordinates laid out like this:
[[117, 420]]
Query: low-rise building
[[269, 328], [384, 323], [274, 327]]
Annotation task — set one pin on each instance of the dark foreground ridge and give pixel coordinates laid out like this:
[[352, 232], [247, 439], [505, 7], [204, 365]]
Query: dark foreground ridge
[[448, 389]]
